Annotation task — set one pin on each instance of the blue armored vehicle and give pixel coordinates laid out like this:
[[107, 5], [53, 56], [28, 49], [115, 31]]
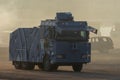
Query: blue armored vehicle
[[59, 41]]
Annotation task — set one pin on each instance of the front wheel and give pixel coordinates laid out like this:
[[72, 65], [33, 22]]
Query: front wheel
[[77, 67], [48, 66], [54, 67]]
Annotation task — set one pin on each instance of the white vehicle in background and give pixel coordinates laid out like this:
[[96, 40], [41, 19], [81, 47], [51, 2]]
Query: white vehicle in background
[[102, 44]]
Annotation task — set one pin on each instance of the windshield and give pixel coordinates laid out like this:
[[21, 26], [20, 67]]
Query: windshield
[[73, 35]]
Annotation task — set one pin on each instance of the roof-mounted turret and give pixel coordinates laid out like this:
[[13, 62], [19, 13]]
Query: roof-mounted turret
[[64, 21], [64, 16]]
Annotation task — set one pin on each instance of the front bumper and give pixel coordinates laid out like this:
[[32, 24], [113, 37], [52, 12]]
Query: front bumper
[[70, 61]]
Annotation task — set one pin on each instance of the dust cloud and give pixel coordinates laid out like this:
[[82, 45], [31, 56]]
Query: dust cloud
[[8, 19], [99, 14]]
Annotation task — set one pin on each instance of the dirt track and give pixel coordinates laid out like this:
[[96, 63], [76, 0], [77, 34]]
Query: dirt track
[[102, 67]]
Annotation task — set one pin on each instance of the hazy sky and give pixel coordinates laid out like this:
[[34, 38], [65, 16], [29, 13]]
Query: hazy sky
[[28, 13]]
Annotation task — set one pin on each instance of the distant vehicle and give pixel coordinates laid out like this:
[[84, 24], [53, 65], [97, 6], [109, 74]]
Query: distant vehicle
[[102, 44], [59, 41]]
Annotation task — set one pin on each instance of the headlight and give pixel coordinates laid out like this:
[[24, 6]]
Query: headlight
[[60, 56]]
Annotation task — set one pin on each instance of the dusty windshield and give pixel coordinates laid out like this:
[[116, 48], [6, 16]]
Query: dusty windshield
[[72, 35]]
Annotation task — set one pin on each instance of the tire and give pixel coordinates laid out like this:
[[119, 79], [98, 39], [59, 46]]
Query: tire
[[54, 67], [48, 66], [77, 68], [27, 66], [17, 65], [40, 66]]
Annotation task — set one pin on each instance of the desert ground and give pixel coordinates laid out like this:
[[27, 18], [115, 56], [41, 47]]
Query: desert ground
[[103, 66]]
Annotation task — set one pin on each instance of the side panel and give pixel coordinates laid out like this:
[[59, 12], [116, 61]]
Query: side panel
[[17, 46], [25, 45]]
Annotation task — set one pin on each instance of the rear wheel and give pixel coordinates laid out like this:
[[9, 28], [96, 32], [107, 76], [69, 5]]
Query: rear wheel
[[40, 66], [77, 68], [27, 66], [17, 65]]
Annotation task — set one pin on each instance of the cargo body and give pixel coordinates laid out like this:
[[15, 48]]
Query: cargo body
[[61, 41], [24, 45]]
